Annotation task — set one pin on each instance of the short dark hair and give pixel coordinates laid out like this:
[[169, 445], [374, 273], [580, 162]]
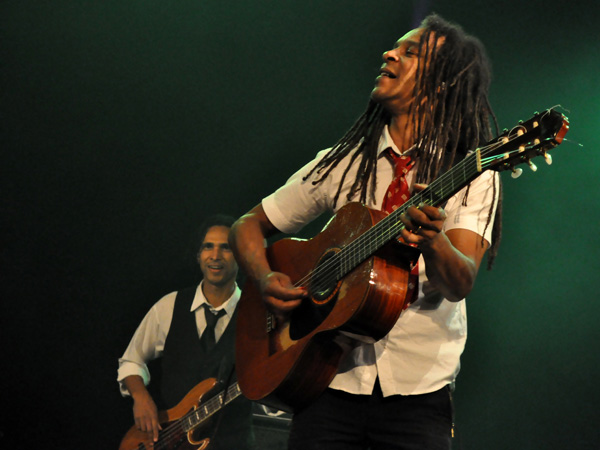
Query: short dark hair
[[216, 220]]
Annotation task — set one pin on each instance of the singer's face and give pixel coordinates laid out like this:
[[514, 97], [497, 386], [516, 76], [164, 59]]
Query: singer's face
[[395, 85]]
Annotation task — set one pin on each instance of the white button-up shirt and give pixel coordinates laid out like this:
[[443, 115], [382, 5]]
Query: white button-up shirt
[[148, 342], [422, 351]]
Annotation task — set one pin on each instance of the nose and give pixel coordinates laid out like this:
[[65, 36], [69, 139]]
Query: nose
[[390, 55], [215, 253]]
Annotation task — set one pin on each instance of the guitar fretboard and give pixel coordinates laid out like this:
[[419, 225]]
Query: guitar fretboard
[[207, 409], [439, 191], [516, 146]]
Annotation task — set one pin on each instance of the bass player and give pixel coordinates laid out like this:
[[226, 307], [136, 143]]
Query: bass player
[[176, 330]]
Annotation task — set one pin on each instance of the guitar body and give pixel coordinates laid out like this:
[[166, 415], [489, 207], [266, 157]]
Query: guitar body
[[173, 434], [273, 362], [357, 275]]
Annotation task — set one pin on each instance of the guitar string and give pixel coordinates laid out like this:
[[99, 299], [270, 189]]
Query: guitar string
[[365, 249], [500, 141], [330, 266], [358, 250], [360, 243], [176, 430], [395, 229]]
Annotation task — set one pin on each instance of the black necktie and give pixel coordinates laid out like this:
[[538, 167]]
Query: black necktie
[[208, 341]]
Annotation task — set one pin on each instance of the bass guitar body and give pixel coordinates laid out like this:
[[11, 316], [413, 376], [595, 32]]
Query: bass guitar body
[[288, 364], [178, 430]]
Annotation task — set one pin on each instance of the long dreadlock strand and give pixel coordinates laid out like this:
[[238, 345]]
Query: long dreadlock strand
[[450, 115], [364, 134]]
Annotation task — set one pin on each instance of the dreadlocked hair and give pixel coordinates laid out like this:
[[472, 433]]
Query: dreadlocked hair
[[365, 134], [450, 116]]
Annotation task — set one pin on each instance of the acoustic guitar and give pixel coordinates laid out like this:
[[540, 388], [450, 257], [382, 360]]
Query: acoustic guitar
[[356, 273], [185, 426]]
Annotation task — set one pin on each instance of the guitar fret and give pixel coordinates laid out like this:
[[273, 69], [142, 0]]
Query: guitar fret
[[502, 153], [186, 424], [389, 228]]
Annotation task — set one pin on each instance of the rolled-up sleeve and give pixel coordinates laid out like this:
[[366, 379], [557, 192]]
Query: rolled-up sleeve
[[299, 201], [147, 343], [473, 208]]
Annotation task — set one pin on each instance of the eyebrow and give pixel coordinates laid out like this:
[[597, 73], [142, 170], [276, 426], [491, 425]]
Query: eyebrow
[[409, 42]]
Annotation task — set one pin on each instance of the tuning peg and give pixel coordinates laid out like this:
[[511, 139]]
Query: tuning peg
[[548, 158], [532, 166], [516, 173]]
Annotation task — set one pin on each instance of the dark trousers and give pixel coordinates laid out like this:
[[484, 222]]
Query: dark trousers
[[338, 420]]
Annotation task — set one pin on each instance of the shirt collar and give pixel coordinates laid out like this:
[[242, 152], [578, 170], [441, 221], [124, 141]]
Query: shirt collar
[[386, 141], [228, 306]]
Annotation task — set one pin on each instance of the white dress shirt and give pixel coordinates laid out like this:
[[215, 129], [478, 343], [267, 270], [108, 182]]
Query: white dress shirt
[[148, 342], [422, 351]]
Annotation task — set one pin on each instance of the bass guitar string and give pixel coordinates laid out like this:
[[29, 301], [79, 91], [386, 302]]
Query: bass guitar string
[[177, 431]]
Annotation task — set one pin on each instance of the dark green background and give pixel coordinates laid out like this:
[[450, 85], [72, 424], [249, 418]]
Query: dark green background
[[125, 123]]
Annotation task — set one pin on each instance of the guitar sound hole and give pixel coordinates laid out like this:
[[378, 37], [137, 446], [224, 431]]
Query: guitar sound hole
[[323, 288]]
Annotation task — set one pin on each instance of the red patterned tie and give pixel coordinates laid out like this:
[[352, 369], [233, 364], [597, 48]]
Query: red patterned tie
[[396, 194]]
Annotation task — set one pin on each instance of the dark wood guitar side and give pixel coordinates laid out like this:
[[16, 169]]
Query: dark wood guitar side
[[185, 426], [356, 274]]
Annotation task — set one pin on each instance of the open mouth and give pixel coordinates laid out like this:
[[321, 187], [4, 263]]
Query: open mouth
[[386, 73]]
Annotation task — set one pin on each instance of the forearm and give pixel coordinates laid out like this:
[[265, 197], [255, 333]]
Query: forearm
[[247, 238], [136, 387], [448, 269], [145, 413]]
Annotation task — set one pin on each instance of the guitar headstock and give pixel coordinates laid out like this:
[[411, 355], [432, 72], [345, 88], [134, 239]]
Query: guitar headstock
[[524, 142]]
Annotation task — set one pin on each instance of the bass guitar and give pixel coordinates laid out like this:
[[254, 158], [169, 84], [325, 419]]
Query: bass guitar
[[356, 274], [185, 426]]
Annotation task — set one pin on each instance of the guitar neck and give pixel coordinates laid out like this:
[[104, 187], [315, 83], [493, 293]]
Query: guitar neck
[[437, 193], [529, 139], [210, 407]]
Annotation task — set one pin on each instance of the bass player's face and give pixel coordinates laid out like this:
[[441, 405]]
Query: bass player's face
[[216, 258]]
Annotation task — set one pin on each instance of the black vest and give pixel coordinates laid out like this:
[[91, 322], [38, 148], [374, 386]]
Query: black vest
[[185, 364]]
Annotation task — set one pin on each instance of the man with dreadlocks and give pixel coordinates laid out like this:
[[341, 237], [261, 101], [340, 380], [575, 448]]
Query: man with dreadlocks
[[429, 103]]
